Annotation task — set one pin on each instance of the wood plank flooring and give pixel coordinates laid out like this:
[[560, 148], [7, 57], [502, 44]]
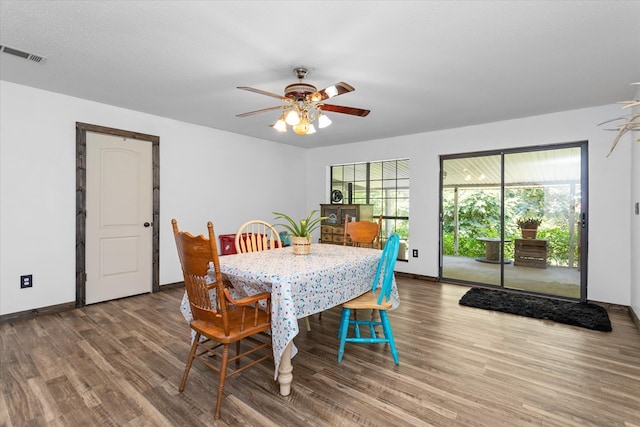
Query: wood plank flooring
[[119, 363]]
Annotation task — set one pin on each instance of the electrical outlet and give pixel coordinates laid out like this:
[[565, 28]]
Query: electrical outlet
[[26, 281], [415, 253]]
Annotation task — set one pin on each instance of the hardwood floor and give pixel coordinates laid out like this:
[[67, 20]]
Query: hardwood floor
[[119, 364]]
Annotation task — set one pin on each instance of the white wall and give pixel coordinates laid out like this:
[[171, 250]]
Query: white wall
[[609, 185], [635, 219], [208, 174], [205, 174]]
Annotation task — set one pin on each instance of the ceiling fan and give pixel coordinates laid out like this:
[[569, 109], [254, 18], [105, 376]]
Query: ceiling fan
[[304, 103]]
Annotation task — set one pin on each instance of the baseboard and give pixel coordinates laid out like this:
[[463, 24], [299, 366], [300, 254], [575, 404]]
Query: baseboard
[[35, 312], [170, 286], [635, 317], [416, 276], [52, 309]]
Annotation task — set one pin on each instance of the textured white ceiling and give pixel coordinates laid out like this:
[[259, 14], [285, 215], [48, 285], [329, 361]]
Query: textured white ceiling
[[417, 65]]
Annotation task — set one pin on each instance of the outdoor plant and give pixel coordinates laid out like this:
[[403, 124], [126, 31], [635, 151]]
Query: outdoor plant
[[302, 228], [529, 223]]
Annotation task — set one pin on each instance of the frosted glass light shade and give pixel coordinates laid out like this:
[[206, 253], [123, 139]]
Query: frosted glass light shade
[[302, 128], [280, 125], [331, 91], [292, 118], [323, 121]]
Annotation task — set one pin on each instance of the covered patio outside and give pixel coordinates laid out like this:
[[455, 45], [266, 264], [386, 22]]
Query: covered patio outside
[[486, 195], [558, 281]]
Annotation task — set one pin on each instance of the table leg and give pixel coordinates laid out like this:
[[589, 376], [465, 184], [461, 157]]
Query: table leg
[[285, 375]]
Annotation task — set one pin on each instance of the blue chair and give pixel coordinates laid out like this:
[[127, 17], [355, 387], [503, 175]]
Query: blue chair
[[379, 298]]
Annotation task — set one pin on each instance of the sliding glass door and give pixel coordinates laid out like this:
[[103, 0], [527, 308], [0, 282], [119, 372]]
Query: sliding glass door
[[516, 219], [472, 229]]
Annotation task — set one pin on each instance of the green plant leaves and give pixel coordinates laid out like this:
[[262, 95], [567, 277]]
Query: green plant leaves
[[302, 228]]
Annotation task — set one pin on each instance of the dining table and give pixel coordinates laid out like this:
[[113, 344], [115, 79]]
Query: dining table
[[301, 285]]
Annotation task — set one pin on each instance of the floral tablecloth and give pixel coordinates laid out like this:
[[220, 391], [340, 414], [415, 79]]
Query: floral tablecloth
[[301, 285]]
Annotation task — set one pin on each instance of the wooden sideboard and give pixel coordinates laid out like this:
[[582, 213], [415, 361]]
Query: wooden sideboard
[[531, 252], [332, 228]]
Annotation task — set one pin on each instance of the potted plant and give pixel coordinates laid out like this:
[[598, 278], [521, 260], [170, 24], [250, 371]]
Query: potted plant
[[300, 230], [529, 227]]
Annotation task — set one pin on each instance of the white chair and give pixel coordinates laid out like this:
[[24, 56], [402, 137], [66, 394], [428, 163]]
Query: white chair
[[255, 236]]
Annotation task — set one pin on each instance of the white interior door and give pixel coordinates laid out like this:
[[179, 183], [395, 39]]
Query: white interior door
[[119, 212]]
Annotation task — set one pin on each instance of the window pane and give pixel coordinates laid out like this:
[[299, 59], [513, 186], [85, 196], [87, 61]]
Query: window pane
[[403, 169], [337, 174], [361, 172], [403, 184], [384, 185], [389, 170], [360, 193], [358, 201], [375, 171], [349, 173], [389, 184], [389, 207]]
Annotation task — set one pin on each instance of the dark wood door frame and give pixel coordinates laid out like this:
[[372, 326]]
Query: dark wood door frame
[[81, 202]]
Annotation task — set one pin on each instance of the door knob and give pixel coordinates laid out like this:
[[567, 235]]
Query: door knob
[[147, 224]]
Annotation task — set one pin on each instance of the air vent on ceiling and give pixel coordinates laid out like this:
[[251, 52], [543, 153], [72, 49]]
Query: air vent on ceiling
[[22, 54]]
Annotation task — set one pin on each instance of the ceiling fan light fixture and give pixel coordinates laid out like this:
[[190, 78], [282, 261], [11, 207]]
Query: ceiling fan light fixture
[[302, 128], [280, 125], [323, 121], [303, 104], [292, 118]]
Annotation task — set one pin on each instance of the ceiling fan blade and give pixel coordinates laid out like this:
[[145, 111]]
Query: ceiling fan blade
[[262, 92], [344, 110], [335, 90], [264, 110]]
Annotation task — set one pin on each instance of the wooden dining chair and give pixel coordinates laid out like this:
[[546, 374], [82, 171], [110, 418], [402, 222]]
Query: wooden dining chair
[[256, 235], [224, 322], [379, 298], [364, 234]]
